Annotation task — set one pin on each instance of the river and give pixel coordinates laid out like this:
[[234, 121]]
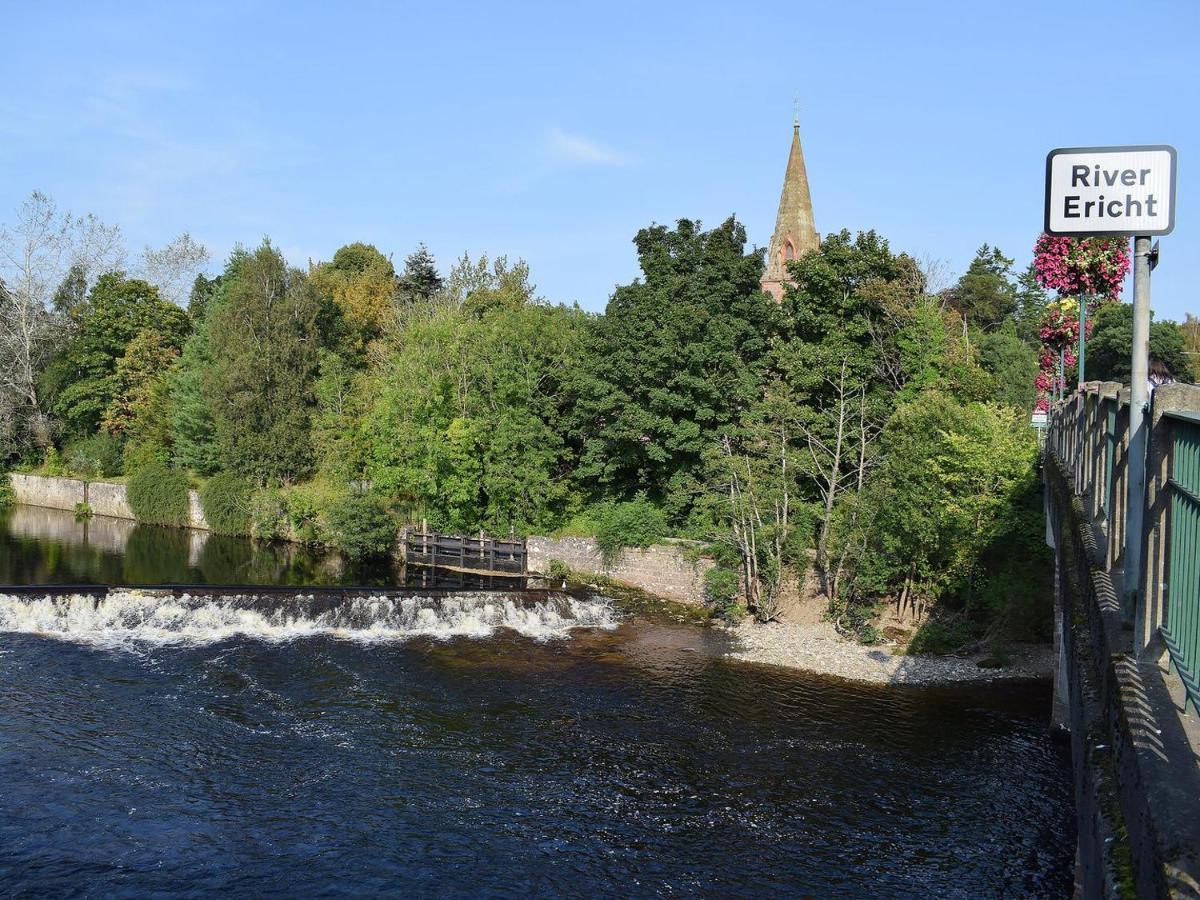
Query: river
[[482, 744]]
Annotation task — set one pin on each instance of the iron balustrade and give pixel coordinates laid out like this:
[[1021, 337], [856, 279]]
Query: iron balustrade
[[1181, 632]]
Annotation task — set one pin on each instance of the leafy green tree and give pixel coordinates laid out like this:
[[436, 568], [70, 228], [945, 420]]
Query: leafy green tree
[[117, 310], [139, 404], [675, 358], [71, 295], [466, 419], [985, 295], [420, 280], [1110, 346], [361, 284], [1013, 365], [203, 290], [263, 343], [193, 432], [842, 337], [1031, 306], [945, 490]]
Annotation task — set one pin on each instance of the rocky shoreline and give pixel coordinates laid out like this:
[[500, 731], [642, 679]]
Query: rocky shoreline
[[819, 649]]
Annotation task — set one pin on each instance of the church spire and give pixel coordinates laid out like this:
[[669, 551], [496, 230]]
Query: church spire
[[795, 232]]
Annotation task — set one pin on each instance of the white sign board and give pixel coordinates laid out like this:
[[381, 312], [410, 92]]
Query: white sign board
[[1111, 190]]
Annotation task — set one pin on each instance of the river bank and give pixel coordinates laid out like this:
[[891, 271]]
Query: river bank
[[817, 648]]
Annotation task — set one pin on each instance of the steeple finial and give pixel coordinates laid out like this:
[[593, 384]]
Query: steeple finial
[[796, 111]]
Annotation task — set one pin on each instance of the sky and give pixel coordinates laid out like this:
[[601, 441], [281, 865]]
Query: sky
[[553, 132]]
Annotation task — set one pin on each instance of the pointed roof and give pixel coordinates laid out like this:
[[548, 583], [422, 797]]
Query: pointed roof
[[795, 231]]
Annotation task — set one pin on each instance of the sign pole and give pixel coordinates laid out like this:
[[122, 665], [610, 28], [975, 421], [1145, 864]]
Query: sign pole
[[1082, 335], [1139, 395]]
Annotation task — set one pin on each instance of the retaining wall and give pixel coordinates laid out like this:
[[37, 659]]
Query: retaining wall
[[106, 498], [661, 569]]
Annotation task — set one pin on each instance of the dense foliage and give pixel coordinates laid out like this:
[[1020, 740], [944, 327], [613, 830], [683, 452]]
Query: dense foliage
[[158, 494], [868, 425], [225, 499]]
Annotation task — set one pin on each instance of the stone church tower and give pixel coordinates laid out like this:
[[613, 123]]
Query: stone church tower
[[795, 232]]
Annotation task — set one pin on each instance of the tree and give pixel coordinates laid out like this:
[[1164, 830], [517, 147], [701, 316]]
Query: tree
[[39, 252], [753, 472], [1031, 305], [466, 418], [1013, 365], [85, 373], [845, 313], [139, 410], [677, 356], [174, 267], [263, 342], [420, 280], [944, 492], [1110, 346], [361, 284], [985, 295]]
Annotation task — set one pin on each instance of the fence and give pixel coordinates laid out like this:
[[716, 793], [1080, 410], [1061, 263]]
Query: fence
[[466, 554], [1089, 432]]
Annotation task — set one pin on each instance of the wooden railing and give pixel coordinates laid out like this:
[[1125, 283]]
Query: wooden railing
[[465, 554]]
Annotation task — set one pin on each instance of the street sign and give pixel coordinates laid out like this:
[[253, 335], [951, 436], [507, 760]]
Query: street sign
[[1111, 190]]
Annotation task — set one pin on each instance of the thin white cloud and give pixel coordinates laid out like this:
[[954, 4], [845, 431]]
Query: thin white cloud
[[575, 149]]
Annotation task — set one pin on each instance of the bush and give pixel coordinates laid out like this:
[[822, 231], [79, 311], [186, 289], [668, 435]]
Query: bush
[[158, 494], [558, 571], [721, 586], [634, 523], [268, 515], [225, 499], [83, 512], [7, 497], [362, 526], [306, 507], [98, 456]]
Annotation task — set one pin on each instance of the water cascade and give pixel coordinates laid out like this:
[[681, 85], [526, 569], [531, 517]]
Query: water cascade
[[124, 615]]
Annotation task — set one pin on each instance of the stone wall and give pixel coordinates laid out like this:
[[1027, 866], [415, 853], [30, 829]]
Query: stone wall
[[106, 498], [662, 569], [53, 493]]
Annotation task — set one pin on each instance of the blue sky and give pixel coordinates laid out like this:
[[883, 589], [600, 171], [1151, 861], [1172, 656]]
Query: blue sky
[[554, 131]]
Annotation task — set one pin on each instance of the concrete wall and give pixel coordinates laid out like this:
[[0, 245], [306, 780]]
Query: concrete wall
[[106, 498], [662, 569], [54, 493]]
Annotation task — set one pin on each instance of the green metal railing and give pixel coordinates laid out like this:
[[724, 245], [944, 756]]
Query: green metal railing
[[1182, 629]]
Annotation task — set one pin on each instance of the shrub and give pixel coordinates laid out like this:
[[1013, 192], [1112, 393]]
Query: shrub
[[53, 464], [306, 506], [98, 456], [268, 515], [361, 526], [225, 499], [158, 494], [721, 585], [558, 571], [634, 523], [83, 512], [7, 497]]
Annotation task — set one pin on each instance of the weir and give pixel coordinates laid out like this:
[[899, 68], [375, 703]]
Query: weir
[[204, 614], [1125, 685]]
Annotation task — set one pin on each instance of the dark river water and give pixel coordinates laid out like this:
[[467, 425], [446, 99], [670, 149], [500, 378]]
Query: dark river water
[[488, 745]]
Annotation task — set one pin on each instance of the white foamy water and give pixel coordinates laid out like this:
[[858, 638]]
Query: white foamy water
[[134, 616]]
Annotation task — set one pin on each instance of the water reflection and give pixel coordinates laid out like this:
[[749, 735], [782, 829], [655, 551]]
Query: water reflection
[[49, 546]]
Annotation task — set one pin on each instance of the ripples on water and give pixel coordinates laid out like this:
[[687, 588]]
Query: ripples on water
[[595, 762]]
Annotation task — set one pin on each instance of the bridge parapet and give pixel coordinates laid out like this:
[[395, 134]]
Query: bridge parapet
[[1126, 678]]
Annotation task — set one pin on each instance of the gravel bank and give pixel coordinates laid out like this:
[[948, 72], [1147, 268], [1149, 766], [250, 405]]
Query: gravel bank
[[817, 648]]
